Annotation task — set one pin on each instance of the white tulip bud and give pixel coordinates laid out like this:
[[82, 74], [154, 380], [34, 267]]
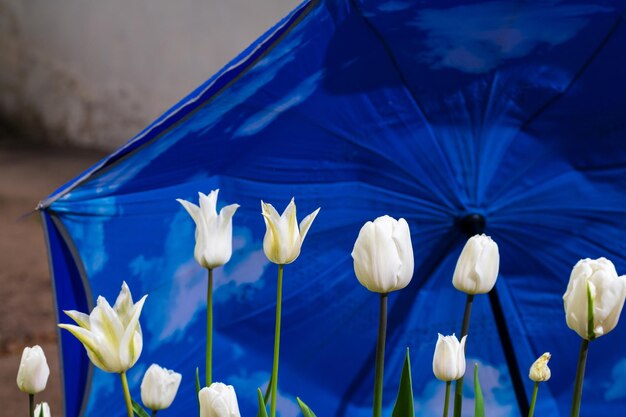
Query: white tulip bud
[[218, 400], [283, 238], [159, 387], [596, 282], [449, 358], [383, 255], [477, 267], [214, 232], [46, 409], [33, 373], [111, 335], [539, 371]]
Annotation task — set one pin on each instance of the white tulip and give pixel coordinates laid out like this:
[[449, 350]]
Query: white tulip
[[111, 336], [477, 267], [597, 281], [159, 387], [283, 238], [383, 255], [214, 232], [449, 358], [218, 400], [33, 373], [46, 409], [539, 371]]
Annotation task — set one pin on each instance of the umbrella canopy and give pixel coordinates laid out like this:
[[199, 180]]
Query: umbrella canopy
[[459, 116]]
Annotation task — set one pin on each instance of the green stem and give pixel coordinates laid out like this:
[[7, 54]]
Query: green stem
[[447, 400], [154, 413], [209, 330], [279, 301], [129, 405], [458, 388], [31, 405], [580, 376], [531, 412], [380, 357]]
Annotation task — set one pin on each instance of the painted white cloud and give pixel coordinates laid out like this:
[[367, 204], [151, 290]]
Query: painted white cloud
[[430, 401], [297, 95], [616, 388], [174, 306], [89, 238], [477, 38]]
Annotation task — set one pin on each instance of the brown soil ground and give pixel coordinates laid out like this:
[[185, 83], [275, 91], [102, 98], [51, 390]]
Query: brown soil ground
[[28, 174]]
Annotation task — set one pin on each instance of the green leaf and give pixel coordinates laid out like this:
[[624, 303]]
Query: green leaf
[[198, 389], [41, 410], [138, 409], [479, 408], [266, 397], [262, 409], [591, 334], [404, 402], [306, 411]]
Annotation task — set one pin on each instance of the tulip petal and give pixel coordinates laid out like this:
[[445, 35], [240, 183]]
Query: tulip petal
[[402, 239], [290, 222], [129, 350], [192, 209], [305, 224], [124, 304], [208, 204], [227, 213], [460, 366], [86, 337], [81, 319]]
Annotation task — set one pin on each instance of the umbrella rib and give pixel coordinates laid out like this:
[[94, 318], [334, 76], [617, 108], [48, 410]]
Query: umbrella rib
[[577, 75], [401, 76]]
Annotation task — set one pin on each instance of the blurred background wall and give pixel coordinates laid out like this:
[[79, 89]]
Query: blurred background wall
[[93, 73]]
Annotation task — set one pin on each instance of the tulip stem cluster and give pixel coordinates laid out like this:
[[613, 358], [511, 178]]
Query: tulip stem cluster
[[380, 357], [129, 405], [531, 410], [458, 389], [580, 375], [209, 330], [279, 301]]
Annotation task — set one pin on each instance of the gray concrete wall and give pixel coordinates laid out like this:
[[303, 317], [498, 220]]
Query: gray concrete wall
[[95, 72]]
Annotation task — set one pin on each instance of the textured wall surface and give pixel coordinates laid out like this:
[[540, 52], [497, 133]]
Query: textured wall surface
[[93, 73]]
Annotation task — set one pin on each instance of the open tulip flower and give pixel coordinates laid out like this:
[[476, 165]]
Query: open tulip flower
[[33, 373], [593, 302], [214, 232], [477, 267], [383, 255], [283, 238], [449, 358], [596, 282], [159, 387], [218, 400], [111, 335]]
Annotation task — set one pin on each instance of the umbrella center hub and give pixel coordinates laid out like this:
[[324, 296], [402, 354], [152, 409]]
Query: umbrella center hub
[[471, 224]]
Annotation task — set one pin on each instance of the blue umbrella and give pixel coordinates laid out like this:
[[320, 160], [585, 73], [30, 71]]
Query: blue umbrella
[[461, 117]]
